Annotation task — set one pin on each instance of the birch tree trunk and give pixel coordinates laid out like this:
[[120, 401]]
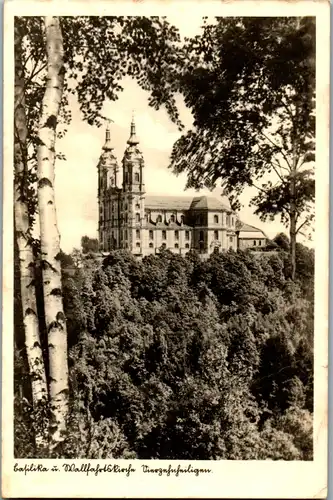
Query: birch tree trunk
[[25, 251], [292, 215], [49, 234]]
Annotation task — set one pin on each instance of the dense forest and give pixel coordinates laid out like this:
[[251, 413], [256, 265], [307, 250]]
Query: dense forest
[[179, 358]]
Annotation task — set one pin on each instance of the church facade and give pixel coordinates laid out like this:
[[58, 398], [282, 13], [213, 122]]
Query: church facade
[[144, 224]]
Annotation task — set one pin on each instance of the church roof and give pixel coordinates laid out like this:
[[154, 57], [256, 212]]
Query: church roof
[[184, 203], [246, 228], [168, 202], [107, 155], [132, 151], [133, 140], [208, 203]]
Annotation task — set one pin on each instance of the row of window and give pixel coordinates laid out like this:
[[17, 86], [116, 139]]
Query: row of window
[[164, 235], [151, 235], [172, 218], [229, 219], [176, 236], [176, 245]]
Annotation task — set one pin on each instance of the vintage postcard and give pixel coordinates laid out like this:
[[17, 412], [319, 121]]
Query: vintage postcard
[[165, 242]]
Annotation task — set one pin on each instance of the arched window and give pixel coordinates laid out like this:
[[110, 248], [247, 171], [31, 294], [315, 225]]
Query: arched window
[[137, 233], [187, 245], [187, 235], [136, 177], [151, 235], [163, 235], [126, 236], [159, 218], [176, 245], [172, 218], [176, 235], [163, 246], [151, 245], [137, 206], [231, 239], [201, 236], [182, 219], [254, 243], [216, 235], [137, 217], [125, 207], [216, 219], [138, 245]]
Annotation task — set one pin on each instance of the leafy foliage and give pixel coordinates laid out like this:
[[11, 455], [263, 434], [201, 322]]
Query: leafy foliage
[[89, 244], [179, 358], [250, 84]]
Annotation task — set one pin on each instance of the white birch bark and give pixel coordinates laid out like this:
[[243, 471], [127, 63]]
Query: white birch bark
[[50, 238], [25, 251]]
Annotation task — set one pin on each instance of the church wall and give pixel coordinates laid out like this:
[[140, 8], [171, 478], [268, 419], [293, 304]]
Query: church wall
[[250, 242], [231, 241], [137, 238], [214, 239], [212, 221]]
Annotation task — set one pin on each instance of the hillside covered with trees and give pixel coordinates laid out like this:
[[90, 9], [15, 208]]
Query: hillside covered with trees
[[178, 358]]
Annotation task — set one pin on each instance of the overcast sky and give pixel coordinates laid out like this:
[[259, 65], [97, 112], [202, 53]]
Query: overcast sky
[[76, 178]]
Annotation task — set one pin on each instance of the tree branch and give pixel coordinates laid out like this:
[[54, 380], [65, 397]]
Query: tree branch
[[276, 171], [278, 147], [288, 111], [282, 167], [258, 187], [44, 66], [300, 227]]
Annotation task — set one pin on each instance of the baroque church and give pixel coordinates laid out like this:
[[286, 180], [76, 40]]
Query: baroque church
[[144, 224]]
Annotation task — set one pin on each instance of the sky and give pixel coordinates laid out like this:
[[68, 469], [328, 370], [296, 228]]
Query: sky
[[76, 178]]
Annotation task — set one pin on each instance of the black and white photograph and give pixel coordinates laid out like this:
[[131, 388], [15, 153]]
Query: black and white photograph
[[164, 235]]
